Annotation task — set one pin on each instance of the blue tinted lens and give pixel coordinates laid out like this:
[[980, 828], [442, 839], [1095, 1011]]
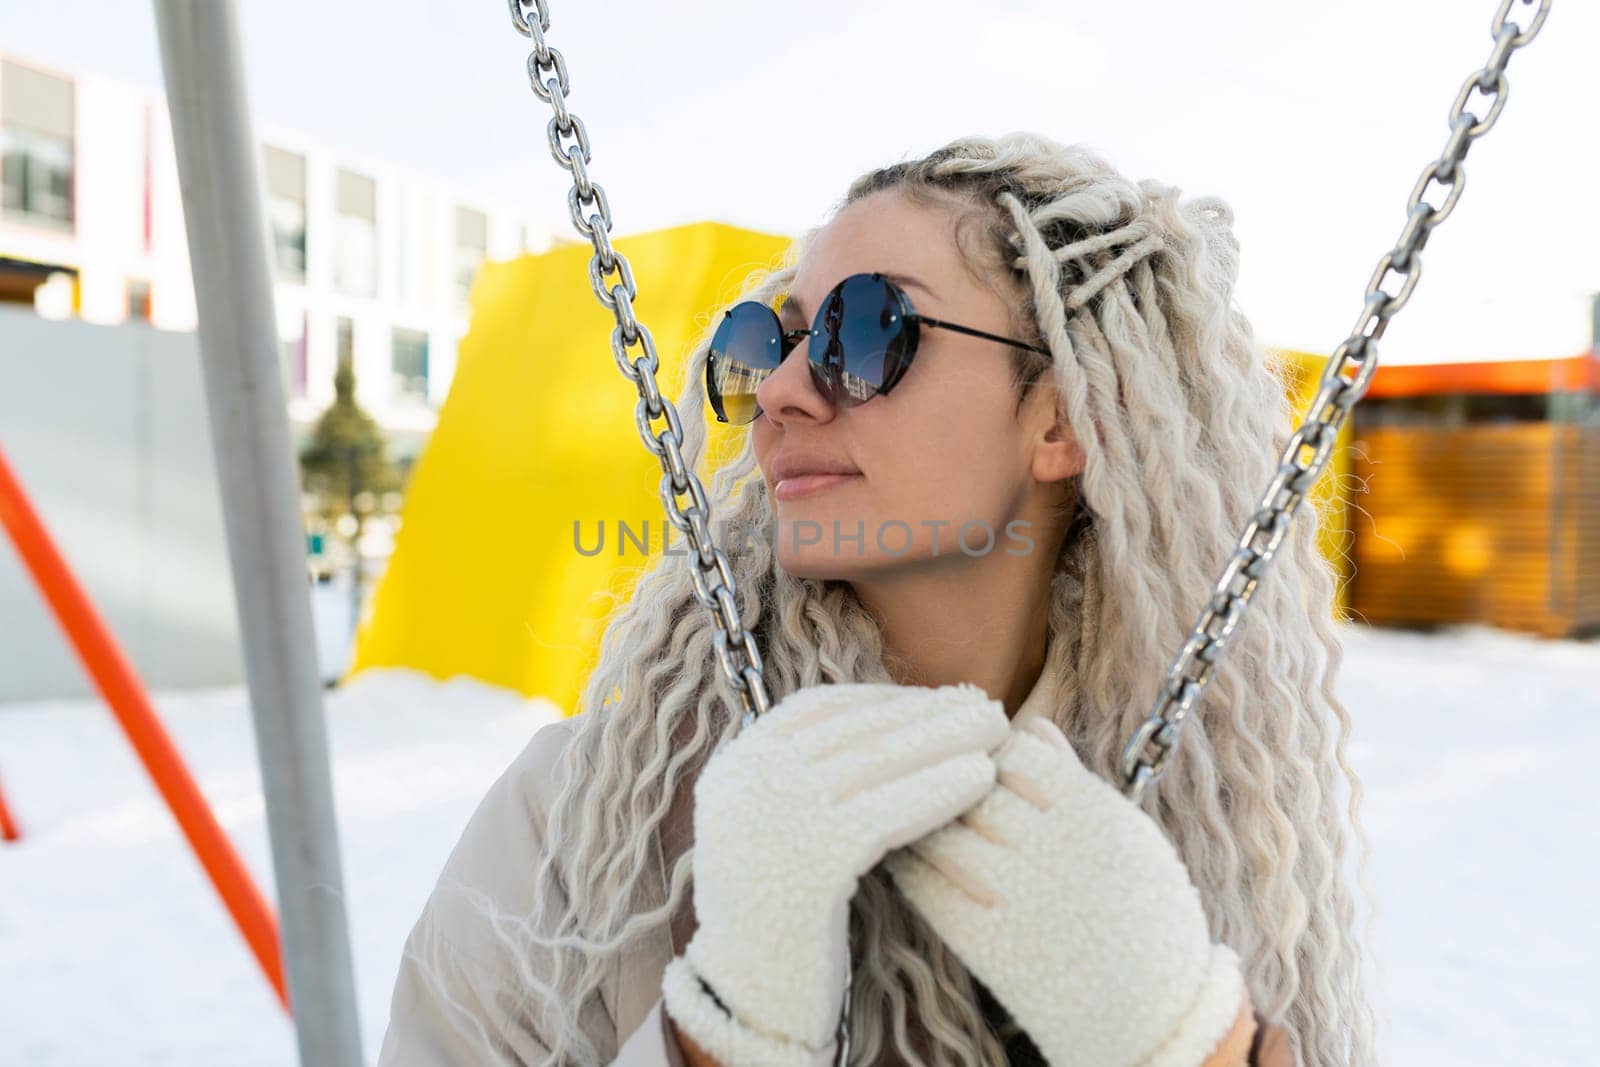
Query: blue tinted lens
[[747, 346], [861, 337]]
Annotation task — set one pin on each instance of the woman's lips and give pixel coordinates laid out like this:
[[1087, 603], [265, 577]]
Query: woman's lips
[[803, 485]]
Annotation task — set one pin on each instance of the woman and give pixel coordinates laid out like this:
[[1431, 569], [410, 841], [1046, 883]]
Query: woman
[[1014, 526]]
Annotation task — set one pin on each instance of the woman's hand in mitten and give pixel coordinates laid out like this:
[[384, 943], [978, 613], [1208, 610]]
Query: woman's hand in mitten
[[788, 816], [1074, 909]]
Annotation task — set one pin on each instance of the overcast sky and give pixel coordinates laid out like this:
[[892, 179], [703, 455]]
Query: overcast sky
[[1312, 119]]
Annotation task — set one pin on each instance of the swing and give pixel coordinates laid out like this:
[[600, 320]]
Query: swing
[[1345, 378], [1302, 462]]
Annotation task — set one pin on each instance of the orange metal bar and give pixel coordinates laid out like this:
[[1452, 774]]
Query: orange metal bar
[[117, 681], [9, 830], [1535, 376]]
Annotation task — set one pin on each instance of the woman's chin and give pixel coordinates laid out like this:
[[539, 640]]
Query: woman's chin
[[824, 544], [822, 564], [808, 566]]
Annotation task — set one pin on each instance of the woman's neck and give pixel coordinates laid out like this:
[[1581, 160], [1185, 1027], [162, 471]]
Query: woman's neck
[[982, 621]]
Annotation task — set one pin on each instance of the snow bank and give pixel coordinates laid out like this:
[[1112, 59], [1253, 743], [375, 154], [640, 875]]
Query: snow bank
[[114, 948]]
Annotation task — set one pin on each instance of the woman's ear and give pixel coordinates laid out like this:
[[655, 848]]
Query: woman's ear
[[1057, 455]]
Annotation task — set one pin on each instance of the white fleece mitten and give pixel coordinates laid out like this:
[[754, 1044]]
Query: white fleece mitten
[[788, 816], [1075, 910]]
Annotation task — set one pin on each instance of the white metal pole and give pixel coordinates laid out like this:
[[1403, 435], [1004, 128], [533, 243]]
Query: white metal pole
[[219, 175]]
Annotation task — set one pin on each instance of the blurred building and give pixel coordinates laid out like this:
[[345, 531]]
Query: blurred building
[[1478, 486], [373, 263]]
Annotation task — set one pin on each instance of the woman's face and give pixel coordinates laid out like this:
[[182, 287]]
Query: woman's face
[[936, 469]]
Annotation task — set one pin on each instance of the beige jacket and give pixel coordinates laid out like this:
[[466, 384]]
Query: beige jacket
[[448, 1022]]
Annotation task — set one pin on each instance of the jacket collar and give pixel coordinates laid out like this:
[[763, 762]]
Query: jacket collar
[[1041, 700]]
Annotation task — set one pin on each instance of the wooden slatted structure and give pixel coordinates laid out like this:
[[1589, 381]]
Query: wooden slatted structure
[[1477, 496]]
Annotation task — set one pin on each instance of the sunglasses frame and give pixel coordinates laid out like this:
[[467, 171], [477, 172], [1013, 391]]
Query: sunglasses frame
[[826, 371]]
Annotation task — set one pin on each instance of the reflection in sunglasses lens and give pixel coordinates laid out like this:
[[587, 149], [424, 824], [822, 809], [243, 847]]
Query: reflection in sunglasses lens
[[862, 321], [746, 348]]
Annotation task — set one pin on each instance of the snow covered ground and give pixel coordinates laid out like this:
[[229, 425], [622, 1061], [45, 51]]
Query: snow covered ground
[[115, 950]]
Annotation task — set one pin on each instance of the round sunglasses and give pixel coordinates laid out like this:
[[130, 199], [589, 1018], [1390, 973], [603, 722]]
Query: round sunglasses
[[863, 340]]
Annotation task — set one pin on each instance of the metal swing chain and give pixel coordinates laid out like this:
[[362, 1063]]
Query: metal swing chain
[[709, 567], [591, 215], [1310, 446]]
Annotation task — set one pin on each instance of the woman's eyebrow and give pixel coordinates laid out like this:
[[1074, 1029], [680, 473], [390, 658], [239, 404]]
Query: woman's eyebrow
[[902, 280], [906, 280]]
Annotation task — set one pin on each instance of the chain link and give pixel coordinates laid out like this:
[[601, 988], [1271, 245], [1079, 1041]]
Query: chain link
[[611, 277], [1343, 382]]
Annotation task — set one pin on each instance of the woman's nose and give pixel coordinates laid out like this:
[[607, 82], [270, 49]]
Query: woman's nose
[[791, 392]]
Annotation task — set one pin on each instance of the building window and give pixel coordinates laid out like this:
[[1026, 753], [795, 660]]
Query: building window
[[292, 350], [472, 246], [286, 206], [355, 264], [36, 146], [139, 300], [409, 364]]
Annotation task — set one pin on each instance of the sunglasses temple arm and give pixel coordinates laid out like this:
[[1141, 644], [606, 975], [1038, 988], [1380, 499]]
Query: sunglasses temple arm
[[970, 332]]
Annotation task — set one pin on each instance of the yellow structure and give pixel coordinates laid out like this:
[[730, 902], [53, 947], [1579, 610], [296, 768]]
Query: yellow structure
[[1302, 374], [537, 433]]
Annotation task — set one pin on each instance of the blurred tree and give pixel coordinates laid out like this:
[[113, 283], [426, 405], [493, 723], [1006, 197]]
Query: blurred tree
[[347, 454], [346, 467]]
